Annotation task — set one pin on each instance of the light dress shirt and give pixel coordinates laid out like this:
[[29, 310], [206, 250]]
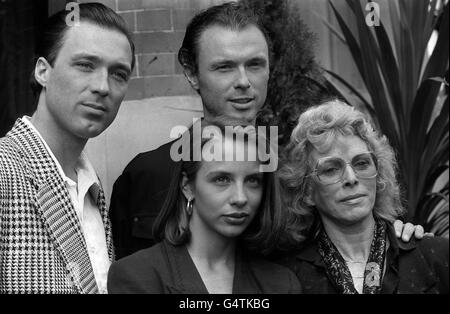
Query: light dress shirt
[[84, 194]]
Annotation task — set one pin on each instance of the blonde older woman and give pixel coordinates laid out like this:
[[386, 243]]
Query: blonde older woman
[[341, 188]]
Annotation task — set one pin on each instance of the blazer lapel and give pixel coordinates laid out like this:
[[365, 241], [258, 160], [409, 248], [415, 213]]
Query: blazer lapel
[[244, 280], [101, 204], [59, 215], [54, 205], [186, 278]]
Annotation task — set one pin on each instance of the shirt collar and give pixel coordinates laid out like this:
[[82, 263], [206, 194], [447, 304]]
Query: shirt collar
[[84, 168]]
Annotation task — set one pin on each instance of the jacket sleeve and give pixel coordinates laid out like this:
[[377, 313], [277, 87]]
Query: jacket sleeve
[[436, 253], [295, 286], [133, 278], [120, 215]]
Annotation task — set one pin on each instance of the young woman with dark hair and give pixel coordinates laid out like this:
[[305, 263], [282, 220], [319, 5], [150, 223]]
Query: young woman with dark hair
[[219, 219]]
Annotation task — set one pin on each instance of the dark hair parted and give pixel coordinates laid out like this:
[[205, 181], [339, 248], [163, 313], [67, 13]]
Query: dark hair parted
[[232, 15], [263, 233], [51, 39]]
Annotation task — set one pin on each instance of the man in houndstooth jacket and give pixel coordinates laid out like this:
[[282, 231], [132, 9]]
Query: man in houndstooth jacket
[[55, 234]]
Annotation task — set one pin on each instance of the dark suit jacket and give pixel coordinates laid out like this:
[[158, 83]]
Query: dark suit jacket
[[137, 197], [168, 269], [419, 266]]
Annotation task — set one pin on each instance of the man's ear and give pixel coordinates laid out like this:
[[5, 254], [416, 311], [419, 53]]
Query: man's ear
[[186, 187], [191, 76], [42, 71]]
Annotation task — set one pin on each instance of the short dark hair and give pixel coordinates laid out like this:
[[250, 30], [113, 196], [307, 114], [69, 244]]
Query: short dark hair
[[233, 15], [51, 40], [261, 236]]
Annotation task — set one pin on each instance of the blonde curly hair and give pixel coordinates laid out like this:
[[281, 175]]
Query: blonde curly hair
[[316, 129]]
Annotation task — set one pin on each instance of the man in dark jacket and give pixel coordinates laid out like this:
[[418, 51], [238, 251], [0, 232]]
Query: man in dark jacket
[[225, 57]]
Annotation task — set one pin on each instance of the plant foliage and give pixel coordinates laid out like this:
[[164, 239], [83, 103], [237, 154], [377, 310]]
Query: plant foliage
[[409, 96]]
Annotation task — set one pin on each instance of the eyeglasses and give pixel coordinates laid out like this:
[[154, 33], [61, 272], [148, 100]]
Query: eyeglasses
[[330, 170]]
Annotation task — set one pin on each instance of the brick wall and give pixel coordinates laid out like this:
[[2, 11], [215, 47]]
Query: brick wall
[[158, 27]]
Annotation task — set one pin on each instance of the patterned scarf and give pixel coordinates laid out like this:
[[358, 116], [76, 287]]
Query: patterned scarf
[[338, 271]]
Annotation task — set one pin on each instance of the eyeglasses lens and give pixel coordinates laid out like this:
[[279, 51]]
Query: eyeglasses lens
[[331, 170]]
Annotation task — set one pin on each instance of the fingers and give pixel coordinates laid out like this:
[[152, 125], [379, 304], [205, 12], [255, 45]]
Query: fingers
[[428, 235], [419, 232], [398, 226], [408, 231]]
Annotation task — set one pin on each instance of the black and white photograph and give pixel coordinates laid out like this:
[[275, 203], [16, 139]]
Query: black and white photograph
[[234, 154]]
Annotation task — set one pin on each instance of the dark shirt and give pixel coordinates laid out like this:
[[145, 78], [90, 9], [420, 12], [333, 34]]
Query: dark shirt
[[137, 197], [419, 266], [167, 269]]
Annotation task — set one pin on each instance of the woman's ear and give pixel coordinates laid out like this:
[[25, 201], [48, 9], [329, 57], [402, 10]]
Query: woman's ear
[[308, 193], [186, 187], [42, 71], [309, 200]]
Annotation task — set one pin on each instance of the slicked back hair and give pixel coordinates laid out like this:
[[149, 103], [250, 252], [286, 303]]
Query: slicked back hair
[[52, 38], [232, 15]]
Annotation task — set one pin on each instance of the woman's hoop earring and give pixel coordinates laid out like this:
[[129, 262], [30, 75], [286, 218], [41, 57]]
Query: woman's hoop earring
[[383, 184], [189, 207]]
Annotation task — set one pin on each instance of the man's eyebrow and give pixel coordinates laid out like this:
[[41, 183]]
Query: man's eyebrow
[[219, 63], [255, 174], [85, 56], [94, 58], [261, 60]]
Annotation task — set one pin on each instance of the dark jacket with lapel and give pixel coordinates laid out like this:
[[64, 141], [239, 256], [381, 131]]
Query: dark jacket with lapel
[[169, 269], [42, 247], [419, 266], [137, 197]]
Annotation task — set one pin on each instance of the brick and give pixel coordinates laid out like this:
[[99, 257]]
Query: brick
[[158, 42], [156, 64], [196, 4], [125, 5], [108, 3], [181, 18], [129, 19], [134, 73], [158, 86], [135, 89], [174, 85], [154, 20]]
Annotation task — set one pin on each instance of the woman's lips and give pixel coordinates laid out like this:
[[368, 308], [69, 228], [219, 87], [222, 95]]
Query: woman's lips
[[352, 198], [236, 218]]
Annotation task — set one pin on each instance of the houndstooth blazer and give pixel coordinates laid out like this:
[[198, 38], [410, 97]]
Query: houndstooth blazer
[[42, 247]]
